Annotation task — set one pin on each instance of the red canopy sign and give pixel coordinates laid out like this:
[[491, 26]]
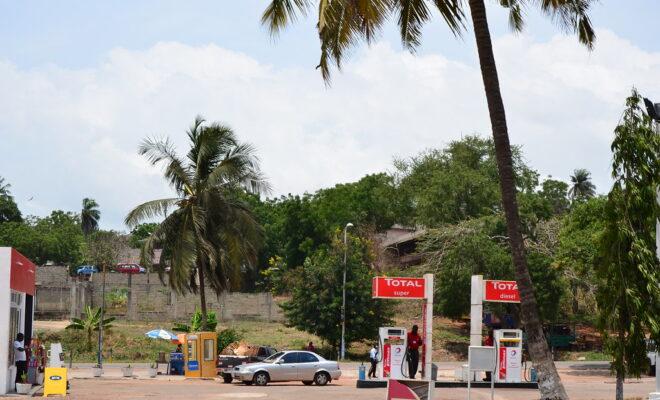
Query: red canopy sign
[[501, 291], [385, 287]]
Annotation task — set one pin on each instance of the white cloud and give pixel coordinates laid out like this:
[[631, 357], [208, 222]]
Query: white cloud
[[69, 134]]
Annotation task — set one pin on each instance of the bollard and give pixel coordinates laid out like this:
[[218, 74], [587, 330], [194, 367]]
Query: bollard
[[361, 372]]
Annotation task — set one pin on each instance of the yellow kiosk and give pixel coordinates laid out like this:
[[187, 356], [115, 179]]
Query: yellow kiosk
[[200, 355]]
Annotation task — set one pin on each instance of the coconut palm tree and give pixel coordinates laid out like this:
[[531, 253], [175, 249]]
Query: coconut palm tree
[[89, 216], [91, 323], [344, 23], [211, 233], [582, 188]]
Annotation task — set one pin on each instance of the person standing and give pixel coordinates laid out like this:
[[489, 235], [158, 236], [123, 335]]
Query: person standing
[[488, 342], [414, 342], [373, 358], [310, 347], [19, 357]]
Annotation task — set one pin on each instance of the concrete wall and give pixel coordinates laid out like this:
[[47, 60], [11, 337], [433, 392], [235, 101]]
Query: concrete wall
[[59, 296]]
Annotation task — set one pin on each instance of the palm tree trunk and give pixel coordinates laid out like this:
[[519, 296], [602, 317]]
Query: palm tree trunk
[[549, 382], [202, 293], [619, 385]]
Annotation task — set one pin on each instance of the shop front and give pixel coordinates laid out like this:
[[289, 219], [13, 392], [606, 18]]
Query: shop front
[[17, 288]]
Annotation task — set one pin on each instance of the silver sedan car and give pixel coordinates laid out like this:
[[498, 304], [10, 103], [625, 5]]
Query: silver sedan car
[[302, 366]]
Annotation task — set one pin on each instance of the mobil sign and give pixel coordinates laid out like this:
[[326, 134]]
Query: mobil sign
[[501, 291], [385, 287]]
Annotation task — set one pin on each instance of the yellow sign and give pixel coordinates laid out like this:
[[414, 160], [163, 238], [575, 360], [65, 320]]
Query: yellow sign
[[55, 381]]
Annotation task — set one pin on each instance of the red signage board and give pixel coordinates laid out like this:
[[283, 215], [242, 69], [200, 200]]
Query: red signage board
[[501, 291], [385, 287], [22, 273]]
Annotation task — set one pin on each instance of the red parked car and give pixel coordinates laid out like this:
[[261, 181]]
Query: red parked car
[[130, 269]]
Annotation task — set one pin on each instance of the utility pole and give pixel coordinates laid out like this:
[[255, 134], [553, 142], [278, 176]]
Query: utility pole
[[343, 298]]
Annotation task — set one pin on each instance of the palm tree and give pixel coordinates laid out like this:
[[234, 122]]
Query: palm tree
[[89, 216], [4, 187], [344, 23], [582, 188], [90, 323], [211, 234]]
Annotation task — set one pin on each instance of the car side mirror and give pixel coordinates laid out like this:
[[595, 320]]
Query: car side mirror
[[280, 361]]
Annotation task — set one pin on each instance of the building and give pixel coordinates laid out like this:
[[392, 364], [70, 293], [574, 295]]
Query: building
[[398, 247], [17, 288]]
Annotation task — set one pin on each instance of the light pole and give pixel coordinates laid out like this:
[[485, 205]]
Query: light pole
[[343, 297]]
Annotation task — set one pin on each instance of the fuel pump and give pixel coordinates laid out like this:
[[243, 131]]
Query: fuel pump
[[508, 346], [392, 350]]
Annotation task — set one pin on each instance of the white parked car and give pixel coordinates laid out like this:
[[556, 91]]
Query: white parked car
[[284, 366]]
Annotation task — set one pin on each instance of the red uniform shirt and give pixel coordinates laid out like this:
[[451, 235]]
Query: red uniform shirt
[[488, 341], [414, 341]]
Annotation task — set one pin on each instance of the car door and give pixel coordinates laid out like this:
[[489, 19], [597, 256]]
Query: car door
[[287, 368], [308, 364]]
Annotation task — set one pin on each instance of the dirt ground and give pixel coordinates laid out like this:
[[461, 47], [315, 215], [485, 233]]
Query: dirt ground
[[584, 381]]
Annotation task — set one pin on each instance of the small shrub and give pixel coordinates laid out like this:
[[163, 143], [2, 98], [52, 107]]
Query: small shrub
[[227, 337]]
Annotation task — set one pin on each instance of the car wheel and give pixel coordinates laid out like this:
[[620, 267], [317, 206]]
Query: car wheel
[[322, 378], [260, 379], [247, 383], [307, 383], [226, 378]]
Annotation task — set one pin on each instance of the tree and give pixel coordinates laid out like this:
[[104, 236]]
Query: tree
[[211, 232], [90, 324], [629, 299], [342, 24], [582, 188], [140, 233], [9, 211], [316, 298], [555, 193], [89, 216], [55, 238]]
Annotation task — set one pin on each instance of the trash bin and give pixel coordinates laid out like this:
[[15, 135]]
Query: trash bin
[[176, 363], [533, 375], [434, 372], [362, 372]]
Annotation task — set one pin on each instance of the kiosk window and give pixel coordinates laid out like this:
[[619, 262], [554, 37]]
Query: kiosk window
[[192, 349], [209, 345]]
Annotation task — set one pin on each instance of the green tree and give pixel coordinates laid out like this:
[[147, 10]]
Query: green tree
[[55, 238], [479, 246], [579, 238], [343, 24], [90, 324], [89, 216], [629, 299], [581, 186], [316, 298], [211, 232], [9, 211], [555, 193], [140, 233]]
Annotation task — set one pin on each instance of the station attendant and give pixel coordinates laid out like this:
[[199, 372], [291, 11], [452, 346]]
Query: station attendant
[[19, 357], [414, 342], [488, 342], [373, 358]]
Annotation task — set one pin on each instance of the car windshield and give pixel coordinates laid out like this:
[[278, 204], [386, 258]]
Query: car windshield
[[274, 357]]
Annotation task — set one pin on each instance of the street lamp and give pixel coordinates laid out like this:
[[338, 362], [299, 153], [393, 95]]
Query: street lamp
[[343, 297]]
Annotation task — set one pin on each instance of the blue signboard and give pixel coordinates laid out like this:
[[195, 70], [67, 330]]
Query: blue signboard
[[193, 365]]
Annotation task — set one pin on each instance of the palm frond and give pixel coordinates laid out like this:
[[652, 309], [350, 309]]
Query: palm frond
[[571, 16], [412, 16], [452, 13], [148, 210], [176, 171], [281, 13], [516, 17]]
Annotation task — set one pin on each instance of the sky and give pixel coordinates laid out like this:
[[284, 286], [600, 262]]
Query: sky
[[84, 82]]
